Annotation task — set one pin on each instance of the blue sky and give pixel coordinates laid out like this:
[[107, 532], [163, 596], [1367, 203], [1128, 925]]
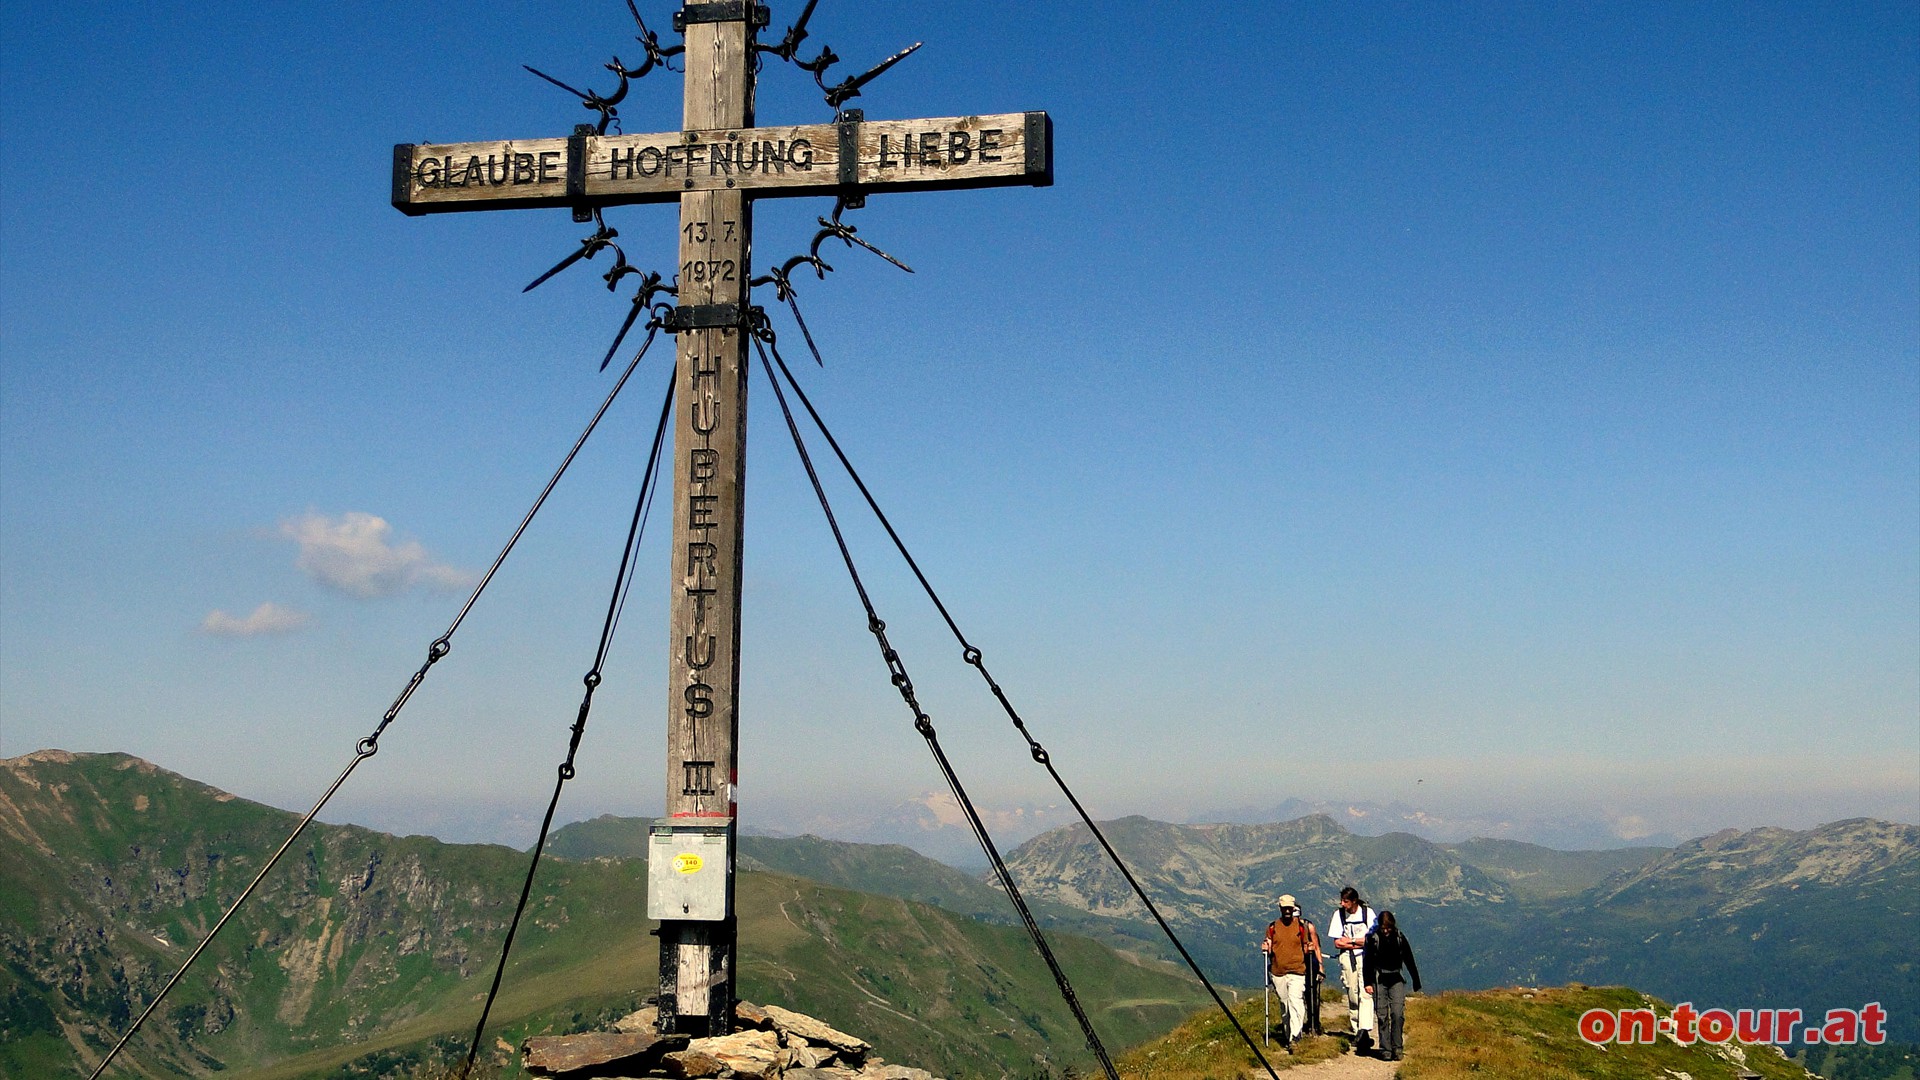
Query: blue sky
[[1481, 406]]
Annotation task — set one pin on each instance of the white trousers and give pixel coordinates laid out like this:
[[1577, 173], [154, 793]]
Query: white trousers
[[1293, 1002], [1359, 1002]]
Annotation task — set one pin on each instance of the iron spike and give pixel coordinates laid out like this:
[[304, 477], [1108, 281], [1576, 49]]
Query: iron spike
[[557, 82], [804, 332], [591, 246], [796, 33], [799, 29], [845, 232], [851, 88], [854, 239], [632, 317], [559, 266]]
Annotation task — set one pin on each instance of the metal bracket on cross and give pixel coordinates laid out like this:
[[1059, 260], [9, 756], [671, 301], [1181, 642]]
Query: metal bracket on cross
[[725, 11], [705, 317]]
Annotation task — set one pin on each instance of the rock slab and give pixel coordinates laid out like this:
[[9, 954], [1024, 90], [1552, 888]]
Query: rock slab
[[598, 1052], [747, 1053], [769, 1043], [788, 1022]]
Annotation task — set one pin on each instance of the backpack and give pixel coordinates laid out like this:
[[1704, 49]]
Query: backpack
[[1363, 917], [1304, 933]]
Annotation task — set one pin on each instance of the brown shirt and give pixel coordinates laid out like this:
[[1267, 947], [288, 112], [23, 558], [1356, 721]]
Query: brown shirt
[[1289, 945]]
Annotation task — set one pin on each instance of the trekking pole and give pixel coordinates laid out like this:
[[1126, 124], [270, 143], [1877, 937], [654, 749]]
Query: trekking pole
[[1266, 1004], [1319, 999], [1312, 997]]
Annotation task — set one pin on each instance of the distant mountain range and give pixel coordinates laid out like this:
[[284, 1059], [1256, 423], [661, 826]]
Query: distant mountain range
[[931, 824], [1768, 918], [1571, 832], [365, 954]]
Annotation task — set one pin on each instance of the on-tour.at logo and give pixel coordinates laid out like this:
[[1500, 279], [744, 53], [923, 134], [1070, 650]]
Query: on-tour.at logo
[[1686, 1025]]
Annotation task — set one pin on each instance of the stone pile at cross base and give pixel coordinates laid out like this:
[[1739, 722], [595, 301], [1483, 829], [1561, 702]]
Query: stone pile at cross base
[[769, 1043]]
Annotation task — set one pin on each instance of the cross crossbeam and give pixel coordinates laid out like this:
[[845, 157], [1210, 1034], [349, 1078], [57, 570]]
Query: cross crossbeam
[[850, 157]]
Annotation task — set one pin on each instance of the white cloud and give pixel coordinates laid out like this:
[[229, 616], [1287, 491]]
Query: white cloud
[[268, 618], [355, 554]]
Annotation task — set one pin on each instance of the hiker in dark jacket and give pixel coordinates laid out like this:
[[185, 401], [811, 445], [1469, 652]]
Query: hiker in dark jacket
[[1387, 951]]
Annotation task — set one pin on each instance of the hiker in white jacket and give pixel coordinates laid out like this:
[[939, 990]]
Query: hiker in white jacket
[[1348, 931]]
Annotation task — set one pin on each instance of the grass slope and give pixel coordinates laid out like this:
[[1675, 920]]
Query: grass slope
[[931, 987], [925, 986], [882, 869], [1506, 1034]]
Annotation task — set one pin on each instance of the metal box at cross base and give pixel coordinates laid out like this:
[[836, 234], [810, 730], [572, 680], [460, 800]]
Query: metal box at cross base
[[687, 872]]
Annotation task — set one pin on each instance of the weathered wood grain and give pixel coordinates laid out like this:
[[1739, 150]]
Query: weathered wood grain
[[703, 611]]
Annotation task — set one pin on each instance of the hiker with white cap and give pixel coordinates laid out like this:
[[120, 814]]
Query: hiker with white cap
[[1292, 948]]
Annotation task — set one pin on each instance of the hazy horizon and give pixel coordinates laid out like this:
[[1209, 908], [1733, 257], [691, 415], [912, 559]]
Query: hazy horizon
[[929, 822]]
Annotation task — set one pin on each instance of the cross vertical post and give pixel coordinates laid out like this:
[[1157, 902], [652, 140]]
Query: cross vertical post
[[714, 167], [697, 956]]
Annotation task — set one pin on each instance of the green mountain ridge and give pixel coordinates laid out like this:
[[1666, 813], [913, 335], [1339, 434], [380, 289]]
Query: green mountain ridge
[[1815, 919], [374, 948], [1540, 873], [366, 947], [884, 869]]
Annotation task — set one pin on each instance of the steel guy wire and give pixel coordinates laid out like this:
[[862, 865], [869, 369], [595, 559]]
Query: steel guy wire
[[370, 745], [897, 671], [974, 658], [616, 603]]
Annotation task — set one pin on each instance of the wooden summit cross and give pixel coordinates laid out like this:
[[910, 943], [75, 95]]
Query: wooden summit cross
[[715, 167]]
